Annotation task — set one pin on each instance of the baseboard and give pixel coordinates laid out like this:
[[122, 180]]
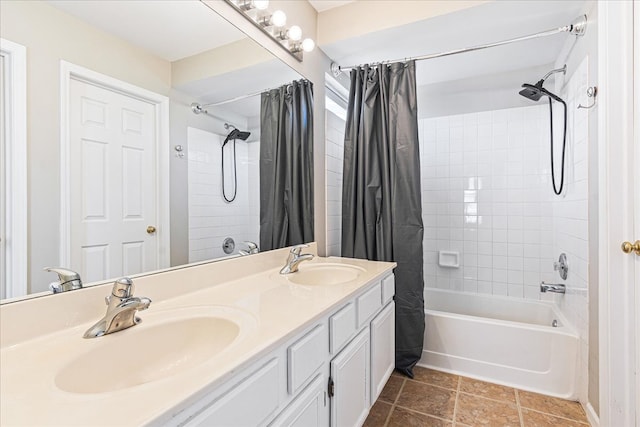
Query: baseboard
[[592, 417]]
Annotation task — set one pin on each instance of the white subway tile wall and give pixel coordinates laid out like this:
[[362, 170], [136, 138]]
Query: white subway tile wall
[[334, 157], [211, 219], [485, 185]]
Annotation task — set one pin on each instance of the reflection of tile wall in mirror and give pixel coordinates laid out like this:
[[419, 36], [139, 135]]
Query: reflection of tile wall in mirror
[[181, 50]]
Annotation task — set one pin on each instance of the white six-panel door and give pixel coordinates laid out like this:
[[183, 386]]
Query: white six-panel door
[[112, 183]]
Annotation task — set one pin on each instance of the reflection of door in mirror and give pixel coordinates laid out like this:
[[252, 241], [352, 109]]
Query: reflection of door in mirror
[[112, 146], [13, 181], [110, 177]]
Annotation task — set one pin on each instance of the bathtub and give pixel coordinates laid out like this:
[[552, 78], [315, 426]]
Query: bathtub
[[502, 340]]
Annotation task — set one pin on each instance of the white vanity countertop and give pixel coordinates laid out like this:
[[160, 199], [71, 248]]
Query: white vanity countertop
[[271, 308]]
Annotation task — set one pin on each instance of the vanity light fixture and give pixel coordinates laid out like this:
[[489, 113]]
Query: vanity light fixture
[[253, 4], [277, 19], [273, 24]]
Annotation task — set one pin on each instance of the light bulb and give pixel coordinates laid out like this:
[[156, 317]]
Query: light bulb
[[295, 33], [261, 4], [279, 18], [308, 45]]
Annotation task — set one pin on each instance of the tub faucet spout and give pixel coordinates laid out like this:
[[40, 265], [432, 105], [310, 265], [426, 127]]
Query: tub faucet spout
[[558, 288]]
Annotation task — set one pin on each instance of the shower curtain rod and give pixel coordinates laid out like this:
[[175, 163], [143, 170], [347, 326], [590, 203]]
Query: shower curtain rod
[[200, 108], [577, 28]]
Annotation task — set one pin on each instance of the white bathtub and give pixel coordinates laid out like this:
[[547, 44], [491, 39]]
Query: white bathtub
[[503, 340]]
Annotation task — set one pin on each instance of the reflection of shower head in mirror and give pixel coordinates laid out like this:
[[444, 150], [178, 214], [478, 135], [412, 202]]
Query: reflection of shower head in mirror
[[235, 134]]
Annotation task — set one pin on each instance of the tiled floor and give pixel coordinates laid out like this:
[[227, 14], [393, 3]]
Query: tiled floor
[[436, 398]]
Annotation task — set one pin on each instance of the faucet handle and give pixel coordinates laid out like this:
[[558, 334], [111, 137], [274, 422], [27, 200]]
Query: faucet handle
[[297, 249], [67, 280], [122, 288]]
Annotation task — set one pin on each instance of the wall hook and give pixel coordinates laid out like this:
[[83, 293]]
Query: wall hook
[[592, 92]]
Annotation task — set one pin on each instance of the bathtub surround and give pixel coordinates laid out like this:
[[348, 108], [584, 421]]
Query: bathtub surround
[[211, 219], [571, 218], [381, 209], [286, 166], [487, 195]]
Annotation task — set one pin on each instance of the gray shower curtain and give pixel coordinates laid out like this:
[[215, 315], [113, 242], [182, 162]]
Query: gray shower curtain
[[286, 166], [381, 206]]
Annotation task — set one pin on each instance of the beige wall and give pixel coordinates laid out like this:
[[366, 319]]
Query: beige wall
[[375, 15], [50, 36], [241, 54]]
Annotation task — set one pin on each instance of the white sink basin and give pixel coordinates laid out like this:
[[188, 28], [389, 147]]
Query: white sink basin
[[325, 274], [168, 344]]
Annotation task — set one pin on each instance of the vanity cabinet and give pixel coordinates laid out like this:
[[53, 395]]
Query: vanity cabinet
[[329, 374]]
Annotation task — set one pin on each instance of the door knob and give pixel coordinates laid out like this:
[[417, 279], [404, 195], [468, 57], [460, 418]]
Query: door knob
[[151, 229], [628, 247]]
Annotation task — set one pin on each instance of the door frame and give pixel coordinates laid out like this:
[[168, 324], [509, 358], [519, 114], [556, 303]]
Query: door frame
[[636, 139], [617, 316], [69, 71], [15, 276]]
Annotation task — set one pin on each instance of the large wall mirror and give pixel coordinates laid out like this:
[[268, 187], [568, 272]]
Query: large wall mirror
[[124, 175]]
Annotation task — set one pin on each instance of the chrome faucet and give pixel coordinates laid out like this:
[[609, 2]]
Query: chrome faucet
[[253, 249], [295, 258], [121, 310], [548, 287], [68, 280]]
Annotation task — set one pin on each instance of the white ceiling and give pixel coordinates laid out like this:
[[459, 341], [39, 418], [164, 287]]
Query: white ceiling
[[322, 5], [490, 22], [170, 29]]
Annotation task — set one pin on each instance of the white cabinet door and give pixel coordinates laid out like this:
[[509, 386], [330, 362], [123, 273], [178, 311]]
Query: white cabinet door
[[350, 376], [383, 333], [309, 409]]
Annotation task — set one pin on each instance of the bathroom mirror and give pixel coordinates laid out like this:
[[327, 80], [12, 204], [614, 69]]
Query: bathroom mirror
[[174, 54]]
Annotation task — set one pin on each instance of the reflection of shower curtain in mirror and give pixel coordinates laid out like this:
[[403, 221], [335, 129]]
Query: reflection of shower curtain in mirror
[[286, 166]]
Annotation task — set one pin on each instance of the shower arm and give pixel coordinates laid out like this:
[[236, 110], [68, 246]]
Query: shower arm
[[562, 70]]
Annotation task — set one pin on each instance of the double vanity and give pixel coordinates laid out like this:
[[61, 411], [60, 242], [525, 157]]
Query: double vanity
[[228, 343]]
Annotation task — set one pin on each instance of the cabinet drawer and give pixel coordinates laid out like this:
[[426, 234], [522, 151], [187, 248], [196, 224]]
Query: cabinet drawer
[[388, 288], [368, 303], [259, 390], [342, 326], [304, 357]]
